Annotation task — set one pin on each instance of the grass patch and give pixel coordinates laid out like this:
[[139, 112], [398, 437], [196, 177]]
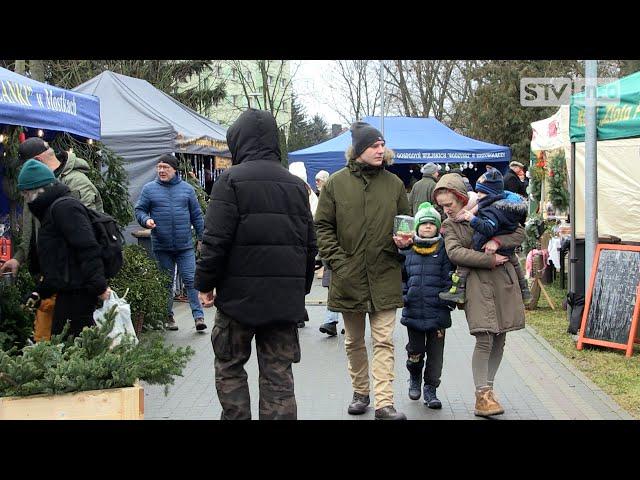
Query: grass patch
[[609, 369]]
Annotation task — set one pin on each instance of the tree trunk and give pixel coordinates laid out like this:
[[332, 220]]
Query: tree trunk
[[36, 67], [20, 66]]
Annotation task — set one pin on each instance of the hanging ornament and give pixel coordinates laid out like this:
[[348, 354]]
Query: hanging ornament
[[447, 168], [22, 137], [40, 133], [471, 165], [90, 141]]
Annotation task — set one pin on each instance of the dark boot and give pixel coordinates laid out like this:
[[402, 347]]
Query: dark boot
[[329, 328], [171, 323], [430, 399], [359, 404], [415, 378], [389, 413], [458, 296], [526, 293]]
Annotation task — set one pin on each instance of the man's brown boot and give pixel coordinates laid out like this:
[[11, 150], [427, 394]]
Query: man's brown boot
[[486, 404]]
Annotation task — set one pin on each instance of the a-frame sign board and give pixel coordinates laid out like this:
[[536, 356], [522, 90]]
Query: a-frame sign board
[[612, 305]]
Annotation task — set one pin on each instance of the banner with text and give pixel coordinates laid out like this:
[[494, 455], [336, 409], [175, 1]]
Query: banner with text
[[28, 103]]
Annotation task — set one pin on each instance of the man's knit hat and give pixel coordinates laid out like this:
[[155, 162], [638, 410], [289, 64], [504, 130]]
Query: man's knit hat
[[426, 213], [430, 168], [363, 136], [33, 175], [322, 175], [490, 182], [169, 160]]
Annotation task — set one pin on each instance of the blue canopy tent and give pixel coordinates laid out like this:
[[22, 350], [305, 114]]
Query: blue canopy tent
[[414, 141], [28, 103], [35, 105]]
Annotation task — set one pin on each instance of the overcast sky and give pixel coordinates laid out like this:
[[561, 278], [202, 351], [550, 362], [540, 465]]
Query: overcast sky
[[311, 86]]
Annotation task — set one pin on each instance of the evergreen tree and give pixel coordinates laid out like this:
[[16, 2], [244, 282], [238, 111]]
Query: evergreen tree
[[305, 133], [494, 113]]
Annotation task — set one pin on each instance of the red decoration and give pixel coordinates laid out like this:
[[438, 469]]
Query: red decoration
[[22, 137]]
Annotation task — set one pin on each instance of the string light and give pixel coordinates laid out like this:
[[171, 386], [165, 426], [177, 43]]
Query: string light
[[1, 137], [40, 133], [471, 166], [90, 141], [447, 168]]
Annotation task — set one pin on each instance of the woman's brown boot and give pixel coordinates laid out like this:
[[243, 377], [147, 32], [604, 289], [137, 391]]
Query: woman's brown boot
[[486, 404]]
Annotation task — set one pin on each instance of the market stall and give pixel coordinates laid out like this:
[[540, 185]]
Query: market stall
[[415, 141]]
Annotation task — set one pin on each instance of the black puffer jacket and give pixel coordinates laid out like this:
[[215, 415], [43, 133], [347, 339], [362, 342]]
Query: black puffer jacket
[[68, 252], [259, 245]]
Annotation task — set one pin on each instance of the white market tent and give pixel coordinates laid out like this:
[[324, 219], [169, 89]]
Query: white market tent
[[618, 163]]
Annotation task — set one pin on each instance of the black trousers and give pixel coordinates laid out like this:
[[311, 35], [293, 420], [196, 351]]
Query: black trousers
[[76, 306], [429, 345]]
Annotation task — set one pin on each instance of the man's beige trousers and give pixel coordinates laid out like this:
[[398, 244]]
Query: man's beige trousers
[[382, 324]]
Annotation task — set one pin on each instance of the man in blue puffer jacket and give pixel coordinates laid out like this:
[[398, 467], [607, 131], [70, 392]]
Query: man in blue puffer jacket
[[425, 274], [168, 206]]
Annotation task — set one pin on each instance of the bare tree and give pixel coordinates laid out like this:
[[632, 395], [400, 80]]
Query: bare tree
[[356, 88], [267, 88], [429, 88]]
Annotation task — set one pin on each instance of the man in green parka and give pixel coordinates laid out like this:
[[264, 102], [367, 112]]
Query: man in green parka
[[354, 226]]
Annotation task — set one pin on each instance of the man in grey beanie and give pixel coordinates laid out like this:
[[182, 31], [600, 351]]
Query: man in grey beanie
[[422, 191]]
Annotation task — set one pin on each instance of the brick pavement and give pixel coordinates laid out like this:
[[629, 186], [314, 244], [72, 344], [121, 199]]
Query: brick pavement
[[534, 381]]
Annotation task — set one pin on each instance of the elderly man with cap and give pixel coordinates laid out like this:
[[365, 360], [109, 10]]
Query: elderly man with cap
[[422, 190], [67, 250], [168, 206], [73, 172], [515, 180], [354, 224]]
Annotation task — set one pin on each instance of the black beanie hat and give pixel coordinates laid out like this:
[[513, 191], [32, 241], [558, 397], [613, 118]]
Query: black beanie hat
[[490, 182], [169, 159], [363, 136], [32, 147]]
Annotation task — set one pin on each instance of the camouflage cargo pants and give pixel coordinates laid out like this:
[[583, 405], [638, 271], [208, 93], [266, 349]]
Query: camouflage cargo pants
[[277, 348]]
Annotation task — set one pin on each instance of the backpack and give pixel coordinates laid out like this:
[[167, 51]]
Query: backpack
[[108, 236]]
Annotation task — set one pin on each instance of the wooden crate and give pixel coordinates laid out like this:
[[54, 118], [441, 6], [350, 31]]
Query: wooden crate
[[112, 404]]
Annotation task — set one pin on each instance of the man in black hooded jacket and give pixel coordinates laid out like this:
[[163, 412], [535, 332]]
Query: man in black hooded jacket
[[68, 252], [258, 254]]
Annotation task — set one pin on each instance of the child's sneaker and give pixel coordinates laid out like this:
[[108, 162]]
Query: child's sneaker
[[458, 296]]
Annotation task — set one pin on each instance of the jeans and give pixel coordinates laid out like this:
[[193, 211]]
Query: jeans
[[186, 261], [332, 317]]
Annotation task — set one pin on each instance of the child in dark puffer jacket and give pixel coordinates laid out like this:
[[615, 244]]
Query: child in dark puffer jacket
[[426, 271], [499, 213]]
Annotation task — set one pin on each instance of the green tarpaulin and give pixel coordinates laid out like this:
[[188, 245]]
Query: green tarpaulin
[[616, 120]]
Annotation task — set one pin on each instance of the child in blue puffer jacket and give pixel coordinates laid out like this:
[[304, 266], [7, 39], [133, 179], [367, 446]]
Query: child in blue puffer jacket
[[499, 213], [426, 273]]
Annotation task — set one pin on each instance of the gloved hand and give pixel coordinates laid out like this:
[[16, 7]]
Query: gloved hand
[[32, 302]]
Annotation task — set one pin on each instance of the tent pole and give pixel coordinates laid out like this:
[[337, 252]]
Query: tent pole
[[382, 97], [572, 222], [590, 166]]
